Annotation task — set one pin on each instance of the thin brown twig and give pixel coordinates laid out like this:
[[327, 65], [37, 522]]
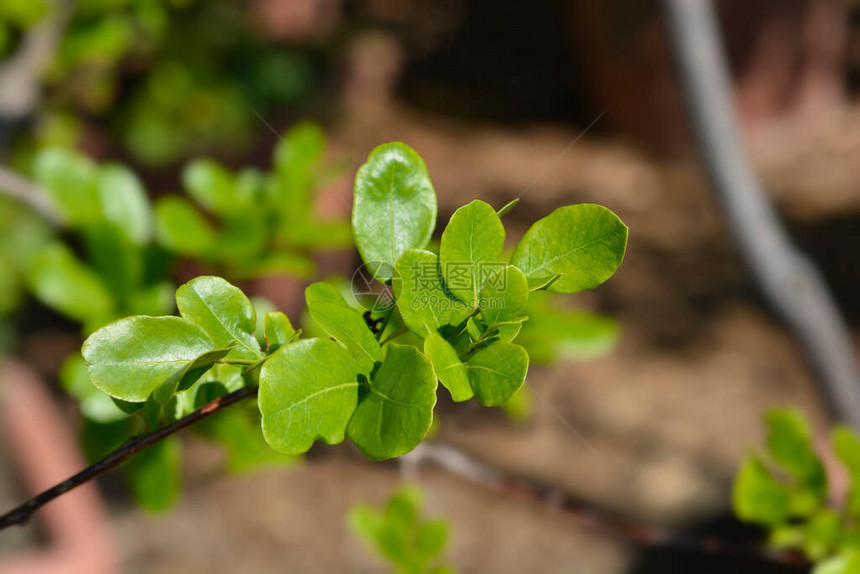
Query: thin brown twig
[[21, 514], [465, 466]]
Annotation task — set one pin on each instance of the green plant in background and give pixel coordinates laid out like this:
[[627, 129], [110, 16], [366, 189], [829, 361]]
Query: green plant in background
[[785, 490], [266, 222], [400, 535], [16, 17], [186, 89], [464, 305], [108, 210]]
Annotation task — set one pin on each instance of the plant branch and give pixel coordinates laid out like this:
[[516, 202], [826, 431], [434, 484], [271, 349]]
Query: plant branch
[[20, 74], [789, 280], [465, 466], [21, 514], [23, 190]]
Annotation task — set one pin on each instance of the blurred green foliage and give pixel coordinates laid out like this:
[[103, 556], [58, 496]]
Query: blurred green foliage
[[167, 78], [265, 223], [785, 489], [399, 534]]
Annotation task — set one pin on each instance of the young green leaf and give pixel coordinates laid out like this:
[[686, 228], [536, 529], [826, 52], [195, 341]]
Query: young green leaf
[[61, 281], [421, 298], [789, 441], [308, 391], [70, 181], [241, 437], [449, 369], [278, 329], [223, 311], [211, 185], [180, 227], [431, 538], [584, 243], [846, 445], [846, 562], [297, 157], [118, 262], [394, 208], [397, 411], [497, 371], [344, 324], [758, 497], [471, 249], [124, 202], [130, 358], [182, 379], [505, 296]]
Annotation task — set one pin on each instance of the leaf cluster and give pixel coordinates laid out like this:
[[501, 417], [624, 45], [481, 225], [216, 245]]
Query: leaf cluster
[[784, 488], [263, 222], [400, 535], [356, 382]]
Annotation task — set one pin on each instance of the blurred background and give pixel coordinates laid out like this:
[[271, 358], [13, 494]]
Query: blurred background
[[648, 391]]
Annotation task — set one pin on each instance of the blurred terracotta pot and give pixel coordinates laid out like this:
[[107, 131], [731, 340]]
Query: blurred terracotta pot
[[44, 452]]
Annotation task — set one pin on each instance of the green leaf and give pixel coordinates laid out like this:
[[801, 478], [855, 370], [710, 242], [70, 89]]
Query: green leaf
[[154, 475], [846, 562], [822, 534], [497, 371], [555, 330], [431, 538], [211, 185], [240, 435], [789, 441], [508, 207], [308, 391], [118, 262], [296, 158], [846, 445], [180, 227], [758, 497], [505, 296], [471, 250], [421, 297], [130, 358], [344, 324], [397, 411], [223, 311], [364, 521], [279, 330], [70, 181], [94, 404], [584, 243], [394, 207], [182, 379], [449, 369], [60, 281], [124, 202]]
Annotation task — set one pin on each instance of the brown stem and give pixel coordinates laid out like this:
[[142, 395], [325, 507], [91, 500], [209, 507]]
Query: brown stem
[[22, 513]]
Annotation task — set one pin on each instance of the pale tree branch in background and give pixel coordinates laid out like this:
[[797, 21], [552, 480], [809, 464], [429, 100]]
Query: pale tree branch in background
[[788, 279], [21, 73], [27, 192]]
